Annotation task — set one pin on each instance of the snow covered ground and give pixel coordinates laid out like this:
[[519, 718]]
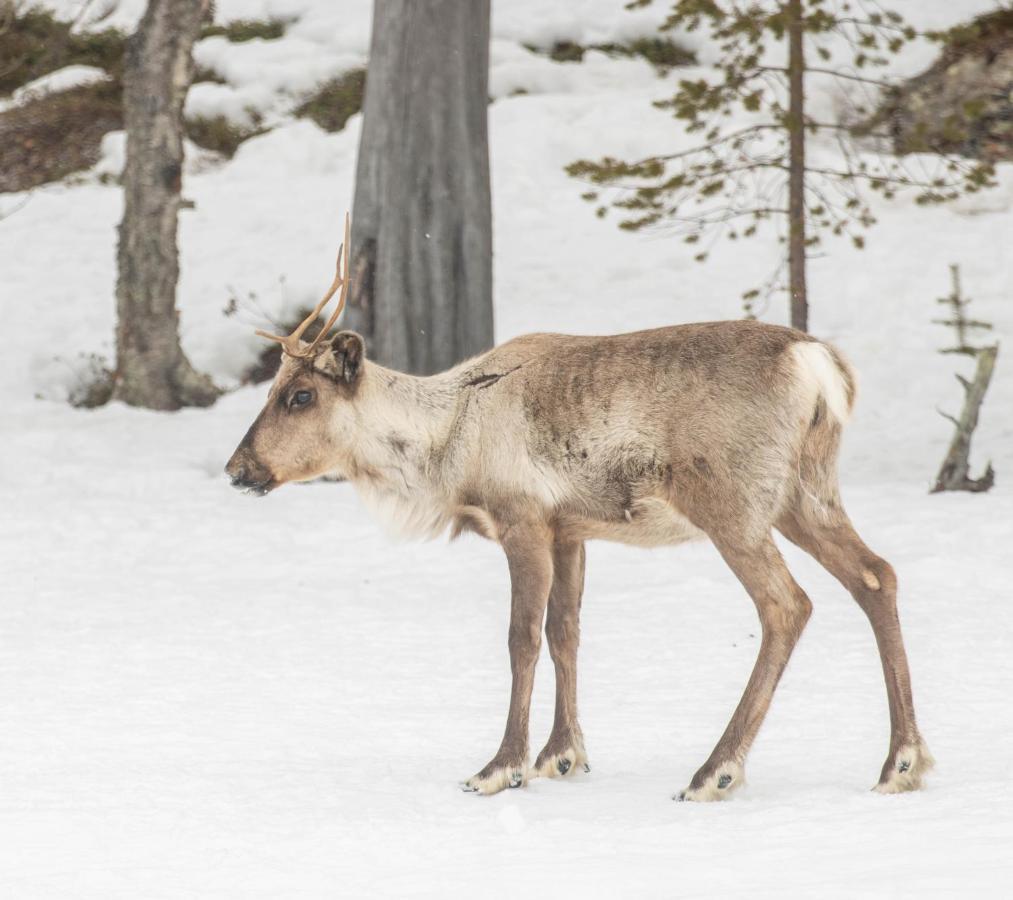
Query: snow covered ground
[[205, 695]]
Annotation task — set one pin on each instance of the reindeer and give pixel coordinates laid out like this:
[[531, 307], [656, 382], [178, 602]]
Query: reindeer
[[720, 430]]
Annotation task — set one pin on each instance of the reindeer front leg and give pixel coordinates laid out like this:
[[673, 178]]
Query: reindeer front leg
[[528, 548], [564, 751]]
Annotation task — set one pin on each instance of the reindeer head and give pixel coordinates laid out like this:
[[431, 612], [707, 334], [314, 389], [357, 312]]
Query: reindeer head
[[307, 424]]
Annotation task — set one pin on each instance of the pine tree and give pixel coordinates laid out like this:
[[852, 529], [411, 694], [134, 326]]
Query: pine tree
[[736, 178]]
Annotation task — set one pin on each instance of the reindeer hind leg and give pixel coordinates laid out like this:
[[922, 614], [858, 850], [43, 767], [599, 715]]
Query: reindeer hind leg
[[784, 610], [829, 537]]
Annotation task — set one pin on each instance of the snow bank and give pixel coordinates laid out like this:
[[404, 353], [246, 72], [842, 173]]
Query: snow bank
[[54, 82]]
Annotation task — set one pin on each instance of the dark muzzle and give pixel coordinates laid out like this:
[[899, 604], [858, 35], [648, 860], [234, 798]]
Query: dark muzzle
[[247, 474]]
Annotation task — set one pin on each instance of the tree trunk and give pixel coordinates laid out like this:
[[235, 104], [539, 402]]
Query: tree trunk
[[422, 229], [151, 369], [796, 169], [954, 474]]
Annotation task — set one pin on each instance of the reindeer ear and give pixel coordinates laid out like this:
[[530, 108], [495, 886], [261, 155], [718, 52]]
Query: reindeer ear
[[343, 357]]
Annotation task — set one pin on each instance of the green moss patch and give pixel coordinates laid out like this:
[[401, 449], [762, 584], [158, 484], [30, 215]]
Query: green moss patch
[[333, 103], [56, 135], [219, 134], [33, 43], [241, 30], [662, 53], [963, 103]]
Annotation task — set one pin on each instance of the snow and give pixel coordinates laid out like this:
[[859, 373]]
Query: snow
[[113, 157], [206, 695], [263, 76], [513, 69], [54, 82]]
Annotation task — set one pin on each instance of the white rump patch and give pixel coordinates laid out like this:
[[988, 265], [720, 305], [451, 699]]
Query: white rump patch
[[820, 375]]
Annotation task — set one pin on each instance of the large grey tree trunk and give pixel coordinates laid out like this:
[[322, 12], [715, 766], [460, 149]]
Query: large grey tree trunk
[[151, 369], [422, 227]]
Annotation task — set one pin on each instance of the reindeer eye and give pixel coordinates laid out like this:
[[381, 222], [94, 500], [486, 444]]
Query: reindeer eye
[[301, 398]]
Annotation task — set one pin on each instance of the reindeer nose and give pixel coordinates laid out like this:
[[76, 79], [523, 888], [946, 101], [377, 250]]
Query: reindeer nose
[[245, 474], [235, 469]]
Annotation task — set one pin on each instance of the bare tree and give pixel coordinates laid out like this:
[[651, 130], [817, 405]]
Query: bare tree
[[422, 233], [954, 473], [151, 369]]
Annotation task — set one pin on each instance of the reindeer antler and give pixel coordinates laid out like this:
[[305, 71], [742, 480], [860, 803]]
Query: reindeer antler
[[290, 344]]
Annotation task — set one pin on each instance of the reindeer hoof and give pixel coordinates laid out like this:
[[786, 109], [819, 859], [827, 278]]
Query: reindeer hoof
[[495, 778], [905, 769], [561, 758], [717, 786]]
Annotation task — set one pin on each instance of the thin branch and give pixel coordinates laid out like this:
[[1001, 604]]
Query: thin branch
[[881, 26], [712, 217], [876, 81], [828, 126], [717, 142], [886, 178]]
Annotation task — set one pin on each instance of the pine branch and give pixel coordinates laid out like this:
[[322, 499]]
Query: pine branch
[[905, 30], [879, 82], [716, 217], [884, 177], [710, 145], [847, 129]]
